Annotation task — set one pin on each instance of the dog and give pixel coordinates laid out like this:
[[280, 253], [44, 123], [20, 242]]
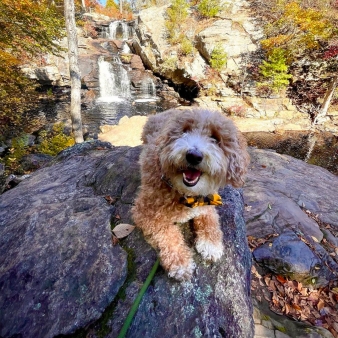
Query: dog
[[187, 156]]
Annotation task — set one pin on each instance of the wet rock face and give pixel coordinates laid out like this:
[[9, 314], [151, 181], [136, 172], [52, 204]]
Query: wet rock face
[[288, 256], [59, 270]]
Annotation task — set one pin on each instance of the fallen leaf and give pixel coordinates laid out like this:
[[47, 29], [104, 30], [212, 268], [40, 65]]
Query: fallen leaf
[[320, 304], [123, 230], [296, 307], [115, 240]]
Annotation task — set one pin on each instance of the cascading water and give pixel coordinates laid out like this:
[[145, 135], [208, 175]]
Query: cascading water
[[124, 91], [114, 81], [120, 30], [147, 91]]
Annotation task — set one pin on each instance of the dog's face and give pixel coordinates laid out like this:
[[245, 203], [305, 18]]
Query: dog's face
[[200, 151]]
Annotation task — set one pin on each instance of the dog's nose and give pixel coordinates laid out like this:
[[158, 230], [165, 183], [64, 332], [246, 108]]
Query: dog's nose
[[194, 156]]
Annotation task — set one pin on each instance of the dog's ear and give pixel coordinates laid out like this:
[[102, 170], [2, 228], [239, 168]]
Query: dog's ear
[[238, 161], [234, 147]]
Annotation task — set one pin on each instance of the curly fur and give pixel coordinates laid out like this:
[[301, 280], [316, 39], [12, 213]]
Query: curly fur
[[167, 138]]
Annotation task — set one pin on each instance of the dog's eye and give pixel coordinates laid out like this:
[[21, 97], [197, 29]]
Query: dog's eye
[[215, 138]]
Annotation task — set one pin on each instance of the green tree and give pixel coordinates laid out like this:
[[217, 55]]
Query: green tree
[[209, 8], [177, 13], [218, 57], [275, 70]]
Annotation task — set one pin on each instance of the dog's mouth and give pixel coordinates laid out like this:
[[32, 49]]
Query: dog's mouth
[[191, 176]]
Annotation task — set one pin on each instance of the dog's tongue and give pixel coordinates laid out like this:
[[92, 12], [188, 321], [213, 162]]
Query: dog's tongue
[[191, 176]]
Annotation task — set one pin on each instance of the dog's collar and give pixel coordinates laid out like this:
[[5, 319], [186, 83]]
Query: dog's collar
[[196, 201]]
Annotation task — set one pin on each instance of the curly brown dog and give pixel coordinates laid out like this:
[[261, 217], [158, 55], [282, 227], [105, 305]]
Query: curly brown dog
[[187, 156]]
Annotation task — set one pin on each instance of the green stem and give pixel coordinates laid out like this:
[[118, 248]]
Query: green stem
[[137, 301]]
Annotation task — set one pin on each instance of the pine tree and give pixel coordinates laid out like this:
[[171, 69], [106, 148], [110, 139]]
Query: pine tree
[[218, 57], [275, 70]]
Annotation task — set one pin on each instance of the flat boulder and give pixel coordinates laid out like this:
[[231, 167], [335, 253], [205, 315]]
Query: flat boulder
[[60, 271]]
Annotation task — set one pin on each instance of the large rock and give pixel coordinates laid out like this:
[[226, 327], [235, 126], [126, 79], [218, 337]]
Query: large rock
[[278, 188], [289, 256], [60, 271]]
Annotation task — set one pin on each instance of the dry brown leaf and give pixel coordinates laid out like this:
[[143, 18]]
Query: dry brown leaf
[[320, 304], [115, 240], [267, 280], [123, 230], [296, 307], [272, 285]]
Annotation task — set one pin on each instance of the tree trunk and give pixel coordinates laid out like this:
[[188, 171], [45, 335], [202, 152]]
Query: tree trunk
[[327, 100], [75, 76], [121, 6]]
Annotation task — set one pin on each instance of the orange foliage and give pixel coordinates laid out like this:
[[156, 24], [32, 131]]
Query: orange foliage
[[298, 29]]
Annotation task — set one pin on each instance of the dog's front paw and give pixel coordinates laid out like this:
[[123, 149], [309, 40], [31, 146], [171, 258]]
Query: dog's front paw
[[182, 273], [210, 251]]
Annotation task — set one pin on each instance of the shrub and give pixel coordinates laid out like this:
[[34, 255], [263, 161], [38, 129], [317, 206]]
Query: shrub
[[218, 57], [236, 110], [177, 13], [275, 70], [55, 141], [209, 8], [169, 64], [18, 149], [186, 47]]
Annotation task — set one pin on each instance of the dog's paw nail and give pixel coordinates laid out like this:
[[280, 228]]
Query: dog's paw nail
[[209, 250]]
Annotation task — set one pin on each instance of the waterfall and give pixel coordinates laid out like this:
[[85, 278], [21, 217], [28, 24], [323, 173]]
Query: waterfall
[[114, 81], [120, 30], [147, 90], [125, 48]]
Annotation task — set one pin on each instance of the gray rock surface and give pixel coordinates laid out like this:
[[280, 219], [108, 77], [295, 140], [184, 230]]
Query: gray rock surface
[[288, 256], [279, 186], [60, 271], [215, 303]]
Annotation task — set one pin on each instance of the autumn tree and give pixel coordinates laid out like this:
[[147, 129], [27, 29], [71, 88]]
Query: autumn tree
[[111, 4], [305, 31], [28, 29]]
